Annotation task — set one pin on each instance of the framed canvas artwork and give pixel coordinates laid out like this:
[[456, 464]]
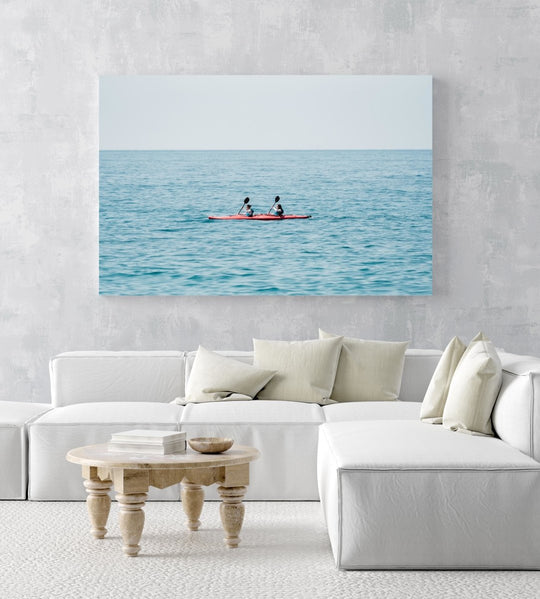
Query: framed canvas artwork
[[265, 185]]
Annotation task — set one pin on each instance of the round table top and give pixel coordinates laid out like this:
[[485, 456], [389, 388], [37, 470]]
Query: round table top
[[100, 456]]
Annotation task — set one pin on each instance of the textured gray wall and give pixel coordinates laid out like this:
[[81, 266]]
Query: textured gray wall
[[485, 58]]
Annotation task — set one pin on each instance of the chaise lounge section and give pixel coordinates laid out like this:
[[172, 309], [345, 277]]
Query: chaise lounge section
[[404, 494]]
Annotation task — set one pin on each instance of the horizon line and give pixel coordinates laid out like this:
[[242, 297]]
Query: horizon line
[[263, 150]]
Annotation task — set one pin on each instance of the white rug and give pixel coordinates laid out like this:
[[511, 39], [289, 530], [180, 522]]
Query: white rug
[[46, 551]]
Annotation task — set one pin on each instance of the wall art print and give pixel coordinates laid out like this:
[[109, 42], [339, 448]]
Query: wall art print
[[203, 180]]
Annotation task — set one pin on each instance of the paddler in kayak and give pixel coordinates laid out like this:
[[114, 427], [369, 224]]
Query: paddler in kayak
[[277, 209], [247, 207]]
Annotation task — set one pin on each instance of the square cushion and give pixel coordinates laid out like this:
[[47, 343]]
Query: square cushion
[[242, 356], [437, 391], [368, 370], [305, 369], [474, 389], [214, 377]]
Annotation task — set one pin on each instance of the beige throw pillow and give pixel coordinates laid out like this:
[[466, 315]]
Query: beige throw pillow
[[437, 391], [305, 369], [474, 389], [368, 370], [217, 378]]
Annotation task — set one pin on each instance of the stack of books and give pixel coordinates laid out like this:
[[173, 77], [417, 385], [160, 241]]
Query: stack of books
[[149, 442]]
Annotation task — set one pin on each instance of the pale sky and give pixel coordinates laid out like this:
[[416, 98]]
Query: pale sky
[[265, 112]]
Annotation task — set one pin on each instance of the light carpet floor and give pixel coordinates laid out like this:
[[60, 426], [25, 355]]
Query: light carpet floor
[[46, 551]]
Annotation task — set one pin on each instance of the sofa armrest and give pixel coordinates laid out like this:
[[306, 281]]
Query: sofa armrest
[[516, 415]]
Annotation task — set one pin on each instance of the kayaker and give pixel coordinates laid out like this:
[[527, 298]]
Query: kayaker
[[249, 210], [272, 211], [246, 203], [278, 210]]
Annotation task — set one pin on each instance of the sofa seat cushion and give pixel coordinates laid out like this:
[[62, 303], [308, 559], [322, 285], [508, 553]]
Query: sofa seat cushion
[[372, 410], [285, 433], [56, 432], [411, 444], [404, 494], [112, 413], [257, 411]]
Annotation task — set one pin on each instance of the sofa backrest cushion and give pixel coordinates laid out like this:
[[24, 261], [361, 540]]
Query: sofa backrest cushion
[[419, 367], [103, 376], [96, 376], [516, 415]]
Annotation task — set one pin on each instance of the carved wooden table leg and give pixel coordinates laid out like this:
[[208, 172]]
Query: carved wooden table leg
[[98, 504], [131, 521], [192, 502], [232, 513]]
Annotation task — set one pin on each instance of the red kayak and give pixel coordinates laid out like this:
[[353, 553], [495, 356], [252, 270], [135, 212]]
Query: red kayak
[[259, 217]]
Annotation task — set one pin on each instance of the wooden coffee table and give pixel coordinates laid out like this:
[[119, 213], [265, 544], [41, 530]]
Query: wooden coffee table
[[132, 474]]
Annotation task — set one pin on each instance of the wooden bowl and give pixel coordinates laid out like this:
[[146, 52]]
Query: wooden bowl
[[210, 444]]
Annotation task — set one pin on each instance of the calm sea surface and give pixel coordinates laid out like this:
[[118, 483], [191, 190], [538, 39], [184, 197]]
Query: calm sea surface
[[370, 231]]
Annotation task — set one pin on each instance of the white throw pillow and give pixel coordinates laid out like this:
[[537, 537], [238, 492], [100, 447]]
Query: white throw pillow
[[474, 389], [368, 370], [437, 391], [217, 378], [305, 369]]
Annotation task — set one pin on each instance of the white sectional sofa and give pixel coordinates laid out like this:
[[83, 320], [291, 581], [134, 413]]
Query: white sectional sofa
[[97, 393], [396, 493]]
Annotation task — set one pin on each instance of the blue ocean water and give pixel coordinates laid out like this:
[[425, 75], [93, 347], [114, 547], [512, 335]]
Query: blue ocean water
[[370, 231]]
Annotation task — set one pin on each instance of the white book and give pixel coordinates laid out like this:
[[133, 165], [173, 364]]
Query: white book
[[173, 444], [148, 443], [149, 436], [179, 447]]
